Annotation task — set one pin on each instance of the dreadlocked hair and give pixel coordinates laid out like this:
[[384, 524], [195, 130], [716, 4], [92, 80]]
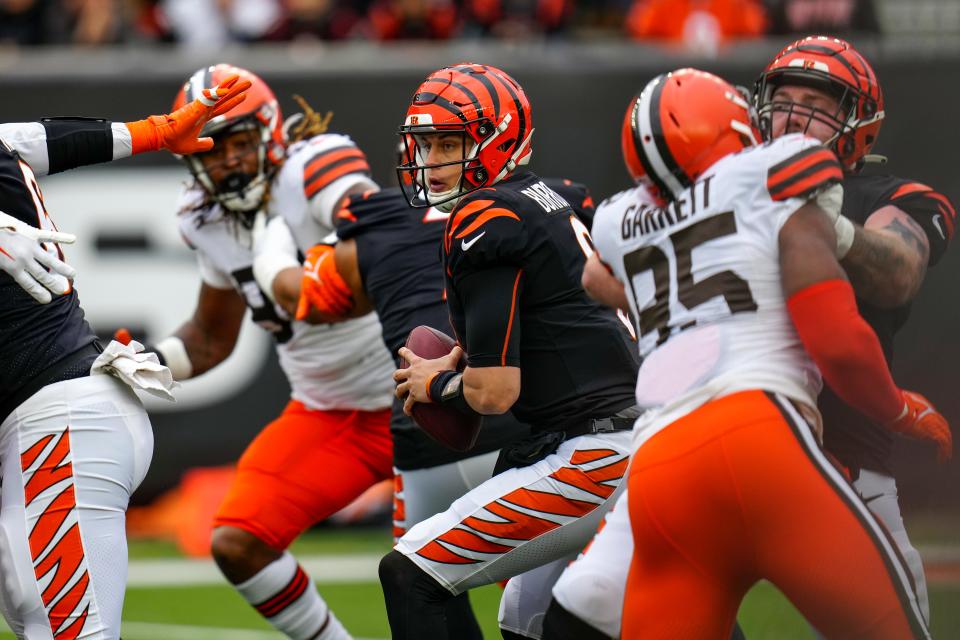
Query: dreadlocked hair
[[309, 123]]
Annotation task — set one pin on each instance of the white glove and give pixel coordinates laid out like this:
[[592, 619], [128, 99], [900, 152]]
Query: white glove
[[831, 201], [25, 259]]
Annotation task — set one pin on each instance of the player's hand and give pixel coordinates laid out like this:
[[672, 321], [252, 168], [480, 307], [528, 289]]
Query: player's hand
[[919, 419], [322, 288], [22, 255], [412, 382], [177, 132]]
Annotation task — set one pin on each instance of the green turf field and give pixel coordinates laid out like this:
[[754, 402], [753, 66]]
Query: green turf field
[[214, 612]]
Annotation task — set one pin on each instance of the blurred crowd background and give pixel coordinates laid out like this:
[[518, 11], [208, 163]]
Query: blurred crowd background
[[701, 27]]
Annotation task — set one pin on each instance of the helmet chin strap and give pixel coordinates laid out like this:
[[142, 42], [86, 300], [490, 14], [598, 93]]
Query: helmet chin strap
[[435, 198]]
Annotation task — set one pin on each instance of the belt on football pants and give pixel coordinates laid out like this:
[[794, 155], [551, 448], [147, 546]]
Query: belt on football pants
[[600, 425]]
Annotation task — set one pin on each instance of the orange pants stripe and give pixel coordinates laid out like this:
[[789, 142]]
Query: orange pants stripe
[[303, 467], [738, 491]]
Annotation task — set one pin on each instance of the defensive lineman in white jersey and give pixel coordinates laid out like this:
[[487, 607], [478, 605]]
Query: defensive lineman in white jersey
[[332, 441], [704, 277]]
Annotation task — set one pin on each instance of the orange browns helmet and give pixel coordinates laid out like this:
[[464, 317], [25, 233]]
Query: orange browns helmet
[[680, 125], [488, 108], [835, 66], [259, 114]]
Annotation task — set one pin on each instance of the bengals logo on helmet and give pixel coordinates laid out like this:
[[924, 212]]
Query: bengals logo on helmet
[[679, 126], [837, 68], [483, 104]]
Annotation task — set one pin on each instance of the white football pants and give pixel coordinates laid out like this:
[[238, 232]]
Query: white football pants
[[70, 456]]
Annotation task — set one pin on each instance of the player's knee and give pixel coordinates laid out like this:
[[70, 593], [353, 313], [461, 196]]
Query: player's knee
[[560, 624], [397, 574], [239, 553], [400, 577]]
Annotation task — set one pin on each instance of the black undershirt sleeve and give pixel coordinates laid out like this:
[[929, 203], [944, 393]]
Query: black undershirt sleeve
[[491, 306], [75, 142]]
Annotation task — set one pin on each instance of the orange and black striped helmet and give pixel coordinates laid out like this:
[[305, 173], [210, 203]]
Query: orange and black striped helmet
[[260, 114], [680, 125], [488, 108], [834, 66]]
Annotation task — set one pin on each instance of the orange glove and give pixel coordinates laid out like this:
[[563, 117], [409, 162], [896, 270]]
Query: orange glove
[[177, 132], [919, 419], [322, 287]]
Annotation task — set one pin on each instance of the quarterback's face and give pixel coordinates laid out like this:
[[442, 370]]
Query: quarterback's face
[[234, 152], [440, 149], [802, 117]]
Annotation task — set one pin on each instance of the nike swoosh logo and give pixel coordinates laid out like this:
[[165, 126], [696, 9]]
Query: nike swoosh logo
[[466, 245], [937, 219], [872, 498]]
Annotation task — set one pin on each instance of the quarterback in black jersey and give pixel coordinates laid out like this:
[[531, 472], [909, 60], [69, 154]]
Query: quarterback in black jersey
[[392, 250], [74, 443], [387, 255], [889, 231], [513, 250]]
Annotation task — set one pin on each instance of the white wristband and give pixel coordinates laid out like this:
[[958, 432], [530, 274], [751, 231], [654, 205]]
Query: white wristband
[[845, 233], [175, 356], [266, 266]]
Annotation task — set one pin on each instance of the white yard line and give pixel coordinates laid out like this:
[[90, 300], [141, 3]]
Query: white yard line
[[157, 631], [178, 572]]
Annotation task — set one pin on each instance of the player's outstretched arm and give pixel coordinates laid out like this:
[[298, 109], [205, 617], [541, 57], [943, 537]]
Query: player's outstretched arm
[[58, 144], [824, 311], [179, 132], [887, 258]]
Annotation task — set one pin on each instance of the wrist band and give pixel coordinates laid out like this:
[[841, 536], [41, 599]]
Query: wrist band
[[446, 389], [845, 234], [173, 354]]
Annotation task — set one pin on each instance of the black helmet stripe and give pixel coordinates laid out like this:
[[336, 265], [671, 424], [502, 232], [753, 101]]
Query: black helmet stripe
[[440, 101], [522, 119], [832, 53], [656, 128], [471, 96], [656, 158], [638, 147], [485, 81]]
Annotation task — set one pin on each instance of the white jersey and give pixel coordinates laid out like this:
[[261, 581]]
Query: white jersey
[[703, 280], [330, 366]]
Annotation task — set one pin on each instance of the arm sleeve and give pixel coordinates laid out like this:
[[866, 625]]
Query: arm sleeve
[[491, 305], [58, 144], [845, 348]]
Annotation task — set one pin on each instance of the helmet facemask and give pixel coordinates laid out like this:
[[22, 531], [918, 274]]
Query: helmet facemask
[[241, 189], [414, 167], [843, 121]]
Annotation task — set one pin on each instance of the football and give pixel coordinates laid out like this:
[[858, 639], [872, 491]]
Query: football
[[446, 425]]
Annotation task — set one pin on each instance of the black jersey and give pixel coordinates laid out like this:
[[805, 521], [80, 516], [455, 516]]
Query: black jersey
[[849, 435], [398, 254], [513, 259], [36, 339]]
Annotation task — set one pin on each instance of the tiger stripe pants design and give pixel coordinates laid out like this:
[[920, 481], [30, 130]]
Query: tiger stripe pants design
[[523, 517], [70, 456]]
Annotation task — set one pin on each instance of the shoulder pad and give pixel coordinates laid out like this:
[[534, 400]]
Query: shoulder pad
[[485, 230], [798, 167], [325, 158]]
